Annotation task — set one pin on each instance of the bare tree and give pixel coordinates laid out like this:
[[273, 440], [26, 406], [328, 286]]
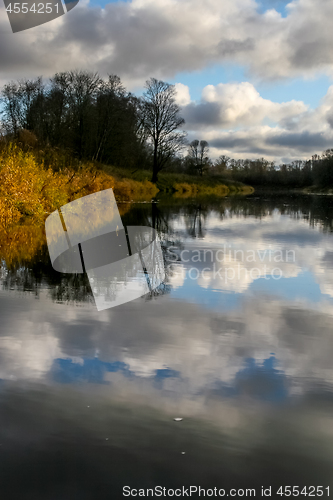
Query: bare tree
[[161, 122], [221, 164], [17, 99], [198, 153], [78, 91]]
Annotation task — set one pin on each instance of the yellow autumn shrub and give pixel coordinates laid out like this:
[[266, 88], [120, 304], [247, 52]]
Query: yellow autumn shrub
[[20, 185], [28, 189], [128, 189]]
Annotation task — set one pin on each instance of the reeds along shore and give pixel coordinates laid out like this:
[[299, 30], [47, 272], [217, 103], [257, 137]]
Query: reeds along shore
[[188, 190]]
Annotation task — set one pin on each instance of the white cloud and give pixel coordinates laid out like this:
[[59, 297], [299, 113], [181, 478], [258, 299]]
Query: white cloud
[[233, 104], [183, 97], [143, 38], [238, 122]]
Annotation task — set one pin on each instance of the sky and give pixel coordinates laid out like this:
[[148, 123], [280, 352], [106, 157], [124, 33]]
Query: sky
[[253, 78]]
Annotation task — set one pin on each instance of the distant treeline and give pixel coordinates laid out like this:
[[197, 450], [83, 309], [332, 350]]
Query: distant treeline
[[318, 171]]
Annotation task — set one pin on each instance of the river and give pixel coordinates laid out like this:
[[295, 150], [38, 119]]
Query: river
[[236, 344]]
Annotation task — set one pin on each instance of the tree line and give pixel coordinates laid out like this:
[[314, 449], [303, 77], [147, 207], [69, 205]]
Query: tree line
[[317, 171], [96, 119]]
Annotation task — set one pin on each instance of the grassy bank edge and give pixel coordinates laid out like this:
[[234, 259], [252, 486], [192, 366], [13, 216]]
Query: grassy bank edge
[[318, 190], [183, 185]]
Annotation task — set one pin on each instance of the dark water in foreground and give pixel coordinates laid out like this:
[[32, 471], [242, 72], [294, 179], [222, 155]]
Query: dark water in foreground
[[238, 342]]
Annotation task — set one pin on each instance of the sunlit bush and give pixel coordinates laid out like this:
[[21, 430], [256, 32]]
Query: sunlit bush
[[27, 189], [128, 189]]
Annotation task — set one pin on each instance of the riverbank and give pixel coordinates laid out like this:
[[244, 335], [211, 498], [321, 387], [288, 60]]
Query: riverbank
[[318, 190], [34, 183], [183, 185]]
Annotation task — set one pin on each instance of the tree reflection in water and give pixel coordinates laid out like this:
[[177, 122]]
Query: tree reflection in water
[[25, 263]]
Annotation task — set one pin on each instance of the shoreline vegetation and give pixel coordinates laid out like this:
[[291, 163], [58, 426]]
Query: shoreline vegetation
[[30, 188], [317, 190], [183, 185], [77, 120]]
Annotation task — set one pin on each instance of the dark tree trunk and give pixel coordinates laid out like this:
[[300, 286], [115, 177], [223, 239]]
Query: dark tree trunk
[[155, 166]]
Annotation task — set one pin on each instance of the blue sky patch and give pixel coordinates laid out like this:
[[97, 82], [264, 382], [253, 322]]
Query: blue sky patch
[[260, 381], [65, 371], [303, 286]]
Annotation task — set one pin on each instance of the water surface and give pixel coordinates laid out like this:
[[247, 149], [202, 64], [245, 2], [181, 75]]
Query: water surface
[[237, 342]]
